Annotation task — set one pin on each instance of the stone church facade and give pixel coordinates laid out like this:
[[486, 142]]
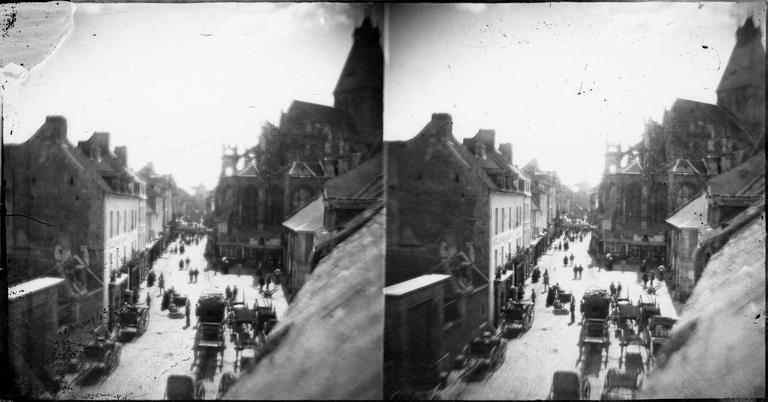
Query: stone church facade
[[292, 160], [647, 182]]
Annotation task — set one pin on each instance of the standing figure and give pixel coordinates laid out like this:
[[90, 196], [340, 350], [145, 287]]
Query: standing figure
[[618, 290], [645, 280], [612, 288], [581, 270], [575, 271], [161, 283], [181, 264], [187, 261], [546, 280], [228, 293], [533, 296], [234, 293], [149, 299], [191, 274], [196, 273], [261, 283], [269, 280], [573, 311], [277, 276], [186, 312], [572, 258], [653, 276], [565, 261]]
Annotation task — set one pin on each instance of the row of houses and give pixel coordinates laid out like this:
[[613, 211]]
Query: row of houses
[[80, 225], [465, 226]]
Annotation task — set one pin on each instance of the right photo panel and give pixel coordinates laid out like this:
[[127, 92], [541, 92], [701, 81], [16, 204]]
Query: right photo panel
[[575, 198]]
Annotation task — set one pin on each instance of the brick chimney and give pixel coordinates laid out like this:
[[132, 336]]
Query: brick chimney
[[487, 138], [506, 151], [441, 126], [122, 154], [57, 128]]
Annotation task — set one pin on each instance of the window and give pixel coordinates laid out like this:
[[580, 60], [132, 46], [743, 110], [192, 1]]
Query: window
[[117, 226], [510, 217], [502, 220], [111, 230], [495, 258], [125, 221], [496, 221]]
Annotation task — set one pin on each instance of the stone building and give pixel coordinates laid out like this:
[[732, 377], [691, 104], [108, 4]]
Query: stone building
[[544, 194], [438, 222], [259, 188], [642, 185], [84, 203]]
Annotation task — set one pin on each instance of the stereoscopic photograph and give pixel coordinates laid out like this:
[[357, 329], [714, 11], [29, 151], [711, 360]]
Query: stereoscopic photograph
[[382, 201]]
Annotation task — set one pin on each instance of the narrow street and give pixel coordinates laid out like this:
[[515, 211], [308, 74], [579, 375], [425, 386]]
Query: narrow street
[[166, 347], [551, 344]]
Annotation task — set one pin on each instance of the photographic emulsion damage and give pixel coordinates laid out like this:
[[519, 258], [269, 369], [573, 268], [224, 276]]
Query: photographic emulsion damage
[[378, 201]]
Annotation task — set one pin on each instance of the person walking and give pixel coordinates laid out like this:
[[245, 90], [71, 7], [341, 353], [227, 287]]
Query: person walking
[[612, 288], [581, 270], [546, 280], [161, 283], [573, 311], [572, 258], [533, 296], [186, 312], [575, 271], [191, 274], [234, 293], [181, 264], [197, 272], [565, 261], [228, 293], [618, 290], [148, 299], [187, 261]]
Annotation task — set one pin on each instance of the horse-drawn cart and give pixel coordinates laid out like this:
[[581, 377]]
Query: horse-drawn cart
[[99, 357], [132, 320], [209, 335], [517, 316], [657, 333], [620, 385], [595, 306], [486, 352]]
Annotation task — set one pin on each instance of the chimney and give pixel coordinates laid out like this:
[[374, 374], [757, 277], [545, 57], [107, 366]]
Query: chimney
[[441, 126], [122, 154], [506, 151], [488, 138], [57, 126]]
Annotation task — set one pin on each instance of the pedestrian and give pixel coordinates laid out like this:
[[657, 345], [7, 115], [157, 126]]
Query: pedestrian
[[653, 276], [612, 289], [181, 264], [661, 273], [191, 274], [565, 261], [572, 258], [234, 293], [645, 280], [261, 283], [277, 276], [573, 311], [581, 269], [161, 283], [197, 272], [181, 249], [533, 296], [187, 261], [546, 280], [149, 299], [269, 280], [186, 312], [575, 271], [228, 293], [618, 290]]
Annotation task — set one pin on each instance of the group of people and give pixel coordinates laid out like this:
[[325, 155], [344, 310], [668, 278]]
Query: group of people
[[231, 293], [566, 259], [615, 290], [265, 280]]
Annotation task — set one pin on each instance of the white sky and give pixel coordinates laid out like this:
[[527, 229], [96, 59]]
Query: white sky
[[519, 68], [174, 82]]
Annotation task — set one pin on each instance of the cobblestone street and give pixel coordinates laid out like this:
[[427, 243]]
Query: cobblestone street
[[166, 347], [551, 343]]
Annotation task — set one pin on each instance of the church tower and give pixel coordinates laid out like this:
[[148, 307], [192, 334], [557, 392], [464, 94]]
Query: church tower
[[359, 91], [741, 91]]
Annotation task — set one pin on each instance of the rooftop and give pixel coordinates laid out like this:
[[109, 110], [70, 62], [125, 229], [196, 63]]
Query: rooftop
[[411, 285]]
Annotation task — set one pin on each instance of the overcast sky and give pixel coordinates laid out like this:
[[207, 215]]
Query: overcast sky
[[174, 82], [555, 79]]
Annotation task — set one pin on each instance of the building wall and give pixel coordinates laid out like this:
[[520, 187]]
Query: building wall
[[122, 236]]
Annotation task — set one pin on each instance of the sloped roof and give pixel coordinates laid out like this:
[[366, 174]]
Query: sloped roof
[[300, 111], [718, 343], [688, 110], [692, 215], [633, 168], [249, 170], [364, 68], [410, 285], [682, 166], [300, 169], [741, 178], [307, 219], [335, 322], [353, 181]]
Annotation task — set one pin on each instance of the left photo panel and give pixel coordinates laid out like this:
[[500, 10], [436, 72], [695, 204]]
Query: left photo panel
[[193, 201]]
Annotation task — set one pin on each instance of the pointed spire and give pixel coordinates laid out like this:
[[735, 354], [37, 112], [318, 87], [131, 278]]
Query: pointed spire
[[747, 32]]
